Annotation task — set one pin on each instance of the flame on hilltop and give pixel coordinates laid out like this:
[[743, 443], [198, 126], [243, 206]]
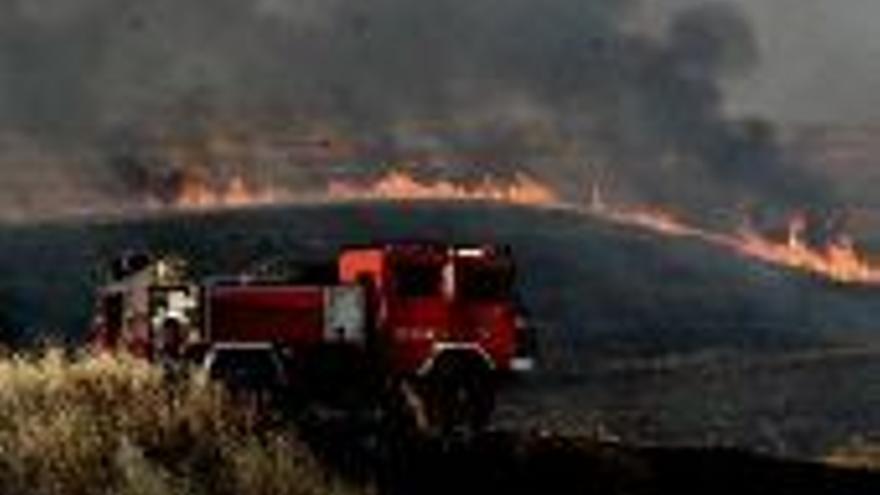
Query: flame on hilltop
[[838, 260], [653, 219], [196, 192], [399, 185]]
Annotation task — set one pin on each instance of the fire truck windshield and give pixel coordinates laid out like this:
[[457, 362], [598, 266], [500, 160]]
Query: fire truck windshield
[[482, 282], [418, 279]]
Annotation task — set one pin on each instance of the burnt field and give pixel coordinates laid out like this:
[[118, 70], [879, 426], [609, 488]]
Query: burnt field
[[644, 339], [793, 406], [102, 424]]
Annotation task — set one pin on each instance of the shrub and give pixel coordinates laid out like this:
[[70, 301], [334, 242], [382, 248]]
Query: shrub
[[116, 424]]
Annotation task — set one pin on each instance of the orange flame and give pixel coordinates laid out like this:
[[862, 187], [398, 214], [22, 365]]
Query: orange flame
[[398, 185], [197, 193], [839, 260]]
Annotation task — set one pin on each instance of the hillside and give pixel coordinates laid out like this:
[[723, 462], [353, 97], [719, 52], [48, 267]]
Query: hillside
[[595, 287], [651, 339]]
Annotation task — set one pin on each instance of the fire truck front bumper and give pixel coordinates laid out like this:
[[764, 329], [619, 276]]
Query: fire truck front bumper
[[522, 364]]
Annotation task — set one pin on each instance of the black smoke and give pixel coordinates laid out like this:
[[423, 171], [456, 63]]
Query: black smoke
[[568, 90]]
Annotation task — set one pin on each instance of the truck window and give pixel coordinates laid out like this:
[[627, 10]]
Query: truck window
[[478, 282], [418, 280]]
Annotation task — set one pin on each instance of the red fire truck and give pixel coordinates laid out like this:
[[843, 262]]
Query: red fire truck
[[435, 325]]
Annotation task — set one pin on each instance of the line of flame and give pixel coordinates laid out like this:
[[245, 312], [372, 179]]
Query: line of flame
[[235, 193], [839, 260], [398, 185]]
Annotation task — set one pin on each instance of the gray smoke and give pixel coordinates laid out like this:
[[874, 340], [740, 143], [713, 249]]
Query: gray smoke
[[565, 89]]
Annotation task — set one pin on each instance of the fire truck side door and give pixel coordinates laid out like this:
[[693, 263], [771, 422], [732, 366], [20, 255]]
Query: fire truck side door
[[345, 315]]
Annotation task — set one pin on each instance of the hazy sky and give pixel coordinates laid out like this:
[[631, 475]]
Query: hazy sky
[[821, 59]]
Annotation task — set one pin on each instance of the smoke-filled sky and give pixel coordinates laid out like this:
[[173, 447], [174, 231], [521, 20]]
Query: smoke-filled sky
[[820, 59], [631, 92]]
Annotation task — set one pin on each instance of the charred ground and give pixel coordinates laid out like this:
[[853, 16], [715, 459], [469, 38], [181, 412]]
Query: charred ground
[[507, 463], [656, 340], [588, 282]]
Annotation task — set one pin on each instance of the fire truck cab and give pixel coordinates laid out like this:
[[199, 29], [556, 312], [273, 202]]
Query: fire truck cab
[[428, 301], [444, 320]]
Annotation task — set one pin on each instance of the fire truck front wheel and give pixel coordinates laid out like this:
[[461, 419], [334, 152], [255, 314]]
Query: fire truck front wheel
[[458, 394]]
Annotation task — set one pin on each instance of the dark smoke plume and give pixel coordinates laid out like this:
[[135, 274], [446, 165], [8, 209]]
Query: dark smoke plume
[[565, 89]]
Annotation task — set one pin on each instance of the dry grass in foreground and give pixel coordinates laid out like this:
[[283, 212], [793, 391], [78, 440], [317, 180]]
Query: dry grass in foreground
[[114, 425], [858, 454]]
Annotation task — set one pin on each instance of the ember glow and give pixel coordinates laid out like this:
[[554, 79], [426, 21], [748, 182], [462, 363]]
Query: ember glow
[[653, 219]]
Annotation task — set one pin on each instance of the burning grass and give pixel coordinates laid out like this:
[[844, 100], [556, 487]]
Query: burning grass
[[92, 425]]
